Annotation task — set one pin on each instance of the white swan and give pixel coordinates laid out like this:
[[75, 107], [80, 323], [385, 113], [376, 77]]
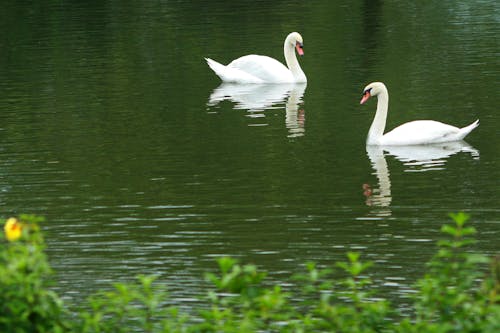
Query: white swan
[[412, 133], [263, 69]]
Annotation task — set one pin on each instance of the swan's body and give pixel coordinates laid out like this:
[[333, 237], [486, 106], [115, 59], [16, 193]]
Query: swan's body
[[263, 69], [412, 133]]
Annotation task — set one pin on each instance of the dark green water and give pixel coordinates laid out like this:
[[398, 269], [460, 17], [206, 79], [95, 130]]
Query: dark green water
[[107, 129]]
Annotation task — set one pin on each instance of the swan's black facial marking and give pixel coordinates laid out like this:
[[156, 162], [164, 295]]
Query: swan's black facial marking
[[366, 96]]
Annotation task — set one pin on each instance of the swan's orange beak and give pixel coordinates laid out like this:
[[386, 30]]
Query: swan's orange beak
[[366, 95], [299, 48]]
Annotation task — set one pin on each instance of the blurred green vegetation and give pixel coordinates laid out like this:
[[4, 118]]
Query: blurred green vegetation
[[456, 295]]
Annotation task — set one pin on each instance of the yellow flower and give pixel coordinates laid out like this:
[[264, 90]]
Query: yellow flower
[[13, 229]]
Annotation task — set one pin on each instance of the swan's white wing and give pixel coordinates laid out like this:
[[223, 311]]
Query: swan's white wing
[[421, 132], [230, 74], [264, 68]]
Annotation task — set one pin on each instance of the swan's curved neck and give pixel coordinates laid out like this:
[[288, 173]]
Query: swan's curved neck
[[292, 62], [378, 125]]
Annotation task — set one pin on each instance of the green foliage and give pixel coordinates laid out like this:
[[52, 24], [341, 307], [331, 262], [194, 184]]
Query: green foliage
[[26, 302], [455, 295], [240, 303], [136, 305], [345, 304], [459, 293]]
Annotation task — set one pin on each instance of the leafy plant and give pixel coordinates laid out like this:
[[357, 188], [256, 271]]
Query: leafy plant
[[26, 302], [134, 305], [346, 304], [240, 303], [457, 294]]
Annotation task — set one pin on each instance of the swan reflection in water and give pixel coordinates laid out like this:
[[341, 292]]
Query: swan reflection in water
[[417, 158], [257, 98]]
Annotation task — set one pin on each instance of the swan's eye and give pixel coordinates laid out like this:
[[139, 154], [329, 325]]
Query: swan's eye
[[367, 91]]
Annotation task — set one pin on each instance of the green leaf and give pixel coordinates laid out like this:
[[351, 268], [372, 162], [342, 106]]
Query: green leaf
[[448, 229], [226, 263], [353, 256], [468, 231], [459, 218]]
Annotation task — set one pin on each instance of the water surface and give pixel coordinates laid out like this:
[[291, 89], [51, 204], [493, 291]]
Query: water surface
[[114, 129]]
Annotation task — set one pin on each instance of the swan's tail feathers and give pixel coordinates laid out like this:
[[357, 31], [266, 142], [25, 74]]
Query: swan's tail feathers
[[231, 74], [467, 129], [216, 67]]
